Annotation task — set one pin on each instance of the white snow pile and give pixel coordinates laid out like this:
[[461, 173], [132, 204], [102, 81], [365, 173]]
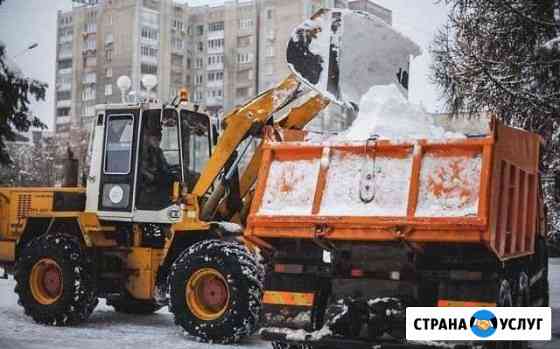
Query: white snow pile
[[385, 112]]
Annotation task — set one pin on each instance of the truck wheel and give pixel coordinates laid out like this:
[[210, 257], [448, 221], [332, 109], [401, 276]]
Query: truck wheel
[[54, 281], [215, 291], [540, 289], [505, 299], [130, 305], [282, 345]]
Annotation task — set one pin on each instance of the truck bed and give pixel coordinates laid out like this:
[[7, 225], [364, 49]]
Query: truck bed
[[480, 190]]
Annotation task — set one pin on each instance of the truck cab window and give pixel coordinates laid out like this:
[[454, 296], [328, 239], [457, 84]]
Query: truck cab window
[[118, 148]]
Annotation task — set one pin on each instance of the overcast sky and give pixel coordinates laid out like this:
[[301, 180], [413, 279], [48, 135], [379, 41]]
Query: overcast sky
[[23, 22]]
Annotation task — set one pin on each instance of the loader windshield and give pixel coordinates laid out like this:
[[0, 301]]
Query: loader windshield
[[195, 135]]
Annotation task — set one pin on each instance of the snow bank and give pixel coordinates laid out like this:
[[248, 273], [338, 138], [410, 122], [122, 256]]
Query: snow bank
[[384, 111]]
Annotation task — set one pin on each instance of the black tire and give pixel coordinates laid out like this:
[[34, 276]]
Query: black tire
[[239, 269], [130, 305], [282, 345], [540, 290], [77, 298]]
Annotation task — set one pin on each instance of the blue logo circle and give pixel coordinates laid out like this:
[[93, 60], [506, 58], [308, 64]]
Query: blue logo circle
[[484, 323]]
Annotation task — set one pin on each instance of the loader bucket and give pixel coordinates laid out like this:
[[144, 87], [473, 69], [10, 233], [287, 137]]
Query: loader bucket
[[342, 53]]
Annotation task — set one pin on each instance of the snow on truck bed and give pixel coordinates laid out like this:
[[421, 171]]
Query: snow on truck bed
[[448, 184]]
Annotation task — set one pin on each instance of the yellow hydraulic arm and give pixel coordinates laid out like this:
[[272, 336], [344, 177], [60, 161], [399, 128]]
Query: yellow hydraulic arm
[[238, 124]]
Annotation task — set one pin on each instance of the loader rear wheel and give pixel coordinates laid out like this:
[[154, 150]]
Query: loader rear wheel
[[54, 281], [215, 291], [130, 305]]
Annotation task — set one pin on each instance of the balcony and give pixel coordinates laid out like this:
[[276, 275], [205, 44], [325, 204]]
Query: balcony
[[64, 103], [65, 39], [214, 101], [63, 87], [62, 120], [65, 71], [65, 55]]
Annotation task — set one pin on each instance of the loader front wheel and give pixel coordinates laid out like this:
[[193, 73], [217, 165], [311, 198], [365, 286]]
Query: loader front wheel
[[54, 281], [215, 291]]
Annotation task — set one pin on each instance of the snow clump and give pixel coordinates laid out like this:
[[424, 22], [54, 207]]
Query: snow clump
[[385, 112]]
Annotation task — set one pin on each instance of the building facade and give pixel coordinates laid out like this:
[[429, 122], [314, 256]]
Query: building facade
[[223, 54]]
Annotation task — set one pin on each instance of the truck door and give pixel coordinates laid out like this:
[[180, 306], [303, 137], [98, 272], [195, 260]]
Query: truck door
[[119, 157]]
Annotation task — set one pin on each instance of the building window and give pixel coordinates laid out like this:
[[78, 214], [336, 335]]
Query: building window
[[199, 29], [108, 55], [177, 43], [199, 79], [177, 25], [109, 38], [89, 110], [90, 27], [66, 63], [108, 90], [89, 43], [148, 69], [188, 63], [242, 92], [90, 78], [269, 13], [200, 46], [149, 34], [245, 23], [216, 43], [88, 94], [63, 112], [216, 26], [63, 95], [243, 58], [244, 41], [199, 63], [148, 51], [109, 19], [270, 51], [215, 59], [109, 72]]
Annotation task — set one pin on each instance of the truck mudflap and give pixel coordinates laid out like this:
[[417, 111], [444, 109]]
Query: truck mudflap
[[299, 338]]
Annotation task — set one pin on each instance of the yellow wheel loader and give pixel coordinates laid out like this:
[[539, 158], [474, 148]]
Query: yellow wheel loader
[[152, 225]]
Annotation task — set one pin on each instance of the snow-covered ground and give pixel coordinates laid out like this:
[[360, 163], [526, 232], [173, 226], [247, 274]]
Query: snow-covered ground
[[108, 329], [104, 329]]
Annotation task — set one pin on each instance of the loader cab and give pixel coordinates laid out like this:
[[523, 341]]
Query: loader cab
[[139, 153]]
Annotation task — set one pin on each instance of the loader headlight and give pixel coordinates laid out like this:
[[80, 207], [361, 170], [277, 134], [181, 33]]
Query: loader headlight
[[116, 194]]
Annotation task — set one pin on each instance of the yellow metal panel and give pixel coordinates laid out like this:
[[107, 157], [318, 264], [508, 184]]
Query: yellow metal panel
[[144, 263], [7, 251], [288, 298]]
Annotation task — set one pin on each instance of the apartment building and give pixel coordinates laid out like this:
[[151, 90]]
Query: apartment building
[[223, 54]]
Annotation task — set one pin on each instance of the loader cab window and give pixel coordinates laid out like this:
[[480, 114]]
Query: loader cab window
[[195, 135], [159, 163], [118, 149]]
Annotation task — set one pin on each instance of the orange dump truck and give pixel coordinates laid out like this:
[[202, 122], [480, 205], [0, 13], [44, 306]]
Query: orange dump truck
[[380, 225]]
